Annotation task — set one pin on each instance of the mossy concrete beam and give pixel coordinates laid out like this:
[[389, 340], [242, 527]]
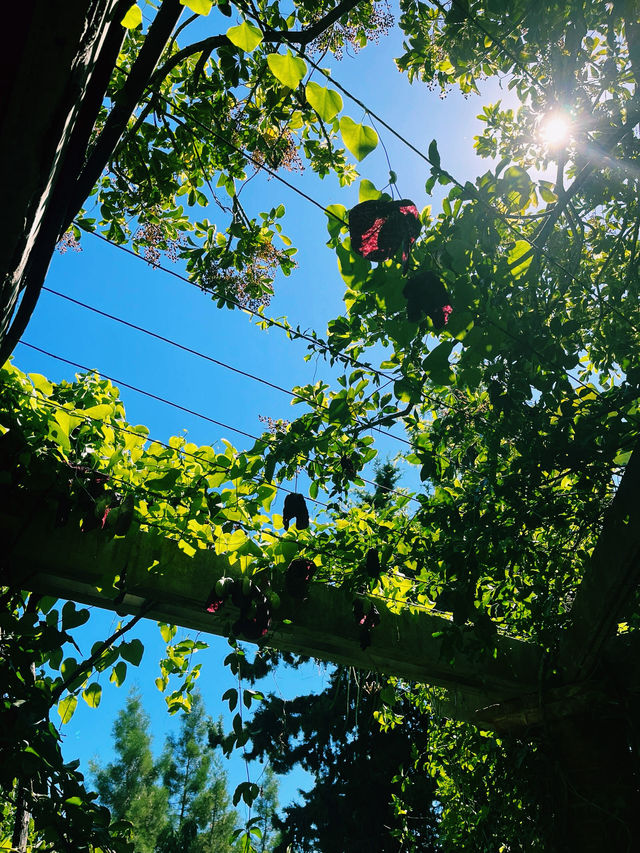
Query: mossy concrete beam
[[412, 644], [610, 580]]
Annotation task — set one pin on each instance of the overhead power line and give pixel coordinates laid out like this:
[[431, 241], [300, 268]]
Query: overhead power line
[[293, 394], [148, 394], [188, 411]]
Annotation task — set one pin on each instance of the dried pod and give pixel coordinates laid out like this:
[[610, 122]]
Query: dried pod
[[378, 229], [372, 566], [426, 295], [298, 576], [256, 625], [367, 617], [295, 506]]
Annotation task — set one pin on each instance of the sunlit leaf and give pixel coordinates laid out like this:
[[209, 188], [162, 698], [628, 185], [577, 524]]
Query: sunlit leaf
[[92, 694], [245, 36], [133, 18], [287, 68], [118, 673], [200, 7], [368, 191], [326, 102], [67, 707], [360, 139], [522, 249]]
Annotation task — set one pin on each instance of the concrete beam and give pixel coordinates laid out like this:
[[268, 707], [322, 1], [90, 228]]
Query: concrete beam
[[414, 644], [610, 579]]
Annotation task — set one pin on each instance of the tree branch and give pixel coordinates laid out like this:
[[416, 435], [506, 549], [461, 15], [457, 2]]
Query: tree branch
[[304, 37], [300, 37], [580, 180], [126, 101], [609, 581], [87, 665]]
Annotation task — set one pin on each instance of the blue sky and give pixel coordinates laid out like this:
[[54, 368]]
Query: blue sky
[[110, 280]]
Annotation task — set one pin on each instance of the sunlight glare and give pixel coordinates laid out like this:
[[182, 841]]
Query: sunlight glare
[[555, 129]]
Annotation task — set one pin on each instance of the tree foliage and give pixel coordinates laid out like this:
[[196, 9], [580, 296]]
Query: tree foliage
[[521, 413], [178, 802]]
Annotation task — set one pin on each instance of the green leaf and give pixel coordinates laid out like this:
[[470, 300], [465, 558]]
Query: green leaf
[[622, 458], [524, 250], [133, 18], [368, 191], [66, 708], [72, 618], [167, 632], [246, 36], [325, 102], [336, 218], [230, 696], [547, 192], [287, 68], [200, 7], [165, 482], [92, 694], [360, 139], [118, 673], [41, 383], [436, 364], [434, 154], [132, 651]]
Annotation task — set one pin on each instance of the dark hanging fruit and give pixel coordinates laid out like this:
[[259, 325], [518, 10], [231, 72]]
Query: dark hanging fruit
[[426, 295], [295, 506], [256, 624], [367, 617], [255, 609], [348, 466], [378, 229], [372, 565], [298, 576]]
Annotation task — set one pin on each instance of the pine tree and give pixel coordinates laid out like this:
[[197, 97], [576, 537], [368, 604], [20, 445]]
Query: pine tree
[[128, 786], [178, 804], [201, 820], [265, 808]]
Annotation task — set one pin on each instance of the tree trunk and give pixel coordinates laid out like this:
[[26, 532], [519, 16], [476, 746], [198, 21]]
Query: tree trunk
[[595, 785], [21, 820], [56, 49]]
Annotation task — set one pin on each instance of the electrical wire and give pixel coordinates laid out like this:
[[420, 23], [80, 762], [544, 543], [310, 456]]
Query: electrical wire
[[135, 388], [196, 414], [211, 359]]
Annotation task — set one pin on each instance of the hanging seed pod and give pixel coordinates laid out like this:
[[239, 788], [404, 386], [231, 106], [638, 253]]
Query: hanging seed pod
[[295, 506], [298, 576], [378, 229], [426, 295], [367, 618], [256, 621], [372, 566]]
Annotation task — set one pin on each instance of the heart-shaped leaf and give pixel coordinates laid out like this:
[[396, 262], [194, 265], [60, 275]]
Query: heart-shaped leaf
[[360, 139], [133, 18], [325, 102], [287, 68], [67, 707], [132, 651], [368, 191], [92, 694], [245, 36], [200, 7]]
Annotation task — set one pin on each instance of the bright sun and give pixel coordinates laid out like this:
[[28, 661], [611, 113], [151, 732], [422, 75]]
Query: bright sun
[[555, 129]]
